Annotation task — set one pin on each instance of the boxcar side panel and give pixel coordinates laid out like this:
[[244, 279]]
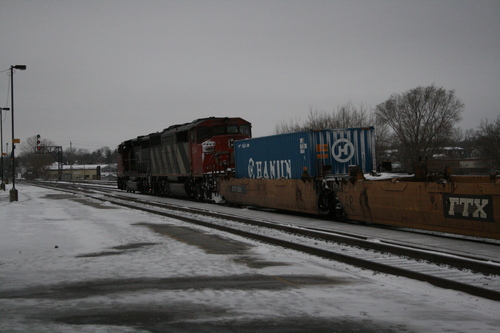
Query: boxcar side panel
[[273, 157]]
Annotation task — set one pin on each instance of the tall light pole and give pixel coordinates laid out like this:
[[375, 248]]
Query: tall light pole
[[6, 151], [2, 186], [13, 192]]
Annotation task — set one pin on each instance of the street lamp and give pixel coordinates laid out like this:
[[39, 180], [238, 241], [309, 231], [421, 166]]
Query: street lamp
[[2, 186], [13, 192]]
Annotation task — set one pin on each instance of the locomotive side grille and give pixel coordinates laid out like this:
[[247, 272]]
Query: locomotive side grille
[[176, 159], [165, 160], [171, 166], [183, 158], [157, 166]]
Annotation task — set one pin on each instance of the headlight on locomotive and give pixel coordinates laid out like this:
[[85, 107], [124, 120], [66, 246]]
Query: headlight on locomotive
[[208, 147]]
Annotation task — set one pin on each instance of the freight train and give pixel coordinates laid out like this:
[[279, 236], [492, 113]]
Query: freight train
[[315, 172], [217, 157]]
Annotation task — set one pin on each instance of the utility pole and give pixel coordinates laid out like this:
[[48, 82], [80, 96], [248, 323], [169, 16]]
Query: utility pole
[[13, 191], [70, 164], [2, 185]]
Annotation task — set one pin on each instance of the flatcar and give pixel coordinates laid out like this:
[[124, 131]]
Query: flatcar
[[182, 160], [465, 205]]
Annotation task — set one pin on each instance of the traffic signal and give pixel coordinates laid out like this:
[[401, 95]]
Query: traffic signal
[[38, 143]]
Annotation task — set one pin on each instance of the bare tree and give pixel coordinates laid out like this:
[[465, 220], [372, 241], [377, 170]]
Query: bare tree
[[488, 142], [290, 126], [348, 116], [344, 116], [422, 119], [29, 146], [103, 155], [70, 155]]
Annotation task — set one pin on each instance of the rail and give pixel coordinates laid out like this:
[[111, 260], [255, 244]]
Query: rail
[[472, 275]]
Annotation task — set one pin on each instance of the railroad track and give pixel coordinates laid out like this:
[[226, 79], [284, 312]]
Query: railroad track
[[471, 275]]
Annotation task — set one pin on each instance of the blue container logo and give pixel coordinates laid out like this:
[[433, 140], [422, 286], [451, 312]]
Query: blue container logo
[[269, 169], [343, 150]]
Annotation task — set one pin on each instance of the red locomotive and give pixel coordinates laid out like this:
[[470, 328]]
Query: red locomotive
[[182, 160]]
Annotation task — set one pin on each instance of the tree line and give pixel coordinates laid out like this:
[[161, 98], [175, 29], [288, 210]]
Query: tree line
[[35, 163], [414, 126]]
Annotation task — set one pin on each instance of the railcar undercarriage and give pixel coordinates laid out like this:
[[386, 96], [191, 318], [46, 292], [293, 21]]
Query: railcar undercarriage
[[199, 188]]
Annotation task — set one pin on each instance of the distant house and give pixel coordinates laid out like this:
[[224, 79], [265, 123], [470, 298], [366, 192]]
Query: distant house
[[459, 166], [450, 152], [82, 172], [459, 162], [455, 158]]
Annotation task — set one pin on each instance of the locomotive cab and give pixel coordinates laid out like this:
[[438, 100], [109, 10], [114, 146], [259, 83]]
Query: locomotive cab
[[214, 147]]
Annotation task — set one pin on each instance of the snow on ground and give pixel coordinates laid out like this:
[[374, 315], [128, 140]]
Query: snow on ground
[[68, 264]]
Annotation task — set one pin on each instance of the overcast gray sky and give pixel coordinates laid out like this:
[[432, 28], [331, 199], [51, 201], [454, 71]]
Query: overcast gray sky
[[100, 72]]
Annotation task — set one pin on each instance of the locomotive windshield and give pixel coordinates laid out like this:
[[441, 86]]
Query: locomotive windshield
[[232, 129], [245, 130], [207, 132]]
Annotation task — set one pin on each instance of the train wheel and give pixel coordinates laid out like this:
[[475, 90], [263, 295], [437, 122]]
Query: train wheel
[[329, 205], [199, 194], [325, 204], [339, 213], [196, 191], [207, 195]]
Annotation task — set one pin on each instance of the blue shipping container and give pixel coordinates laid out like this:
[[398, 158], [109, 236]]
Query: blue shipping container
[[315, 153]]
